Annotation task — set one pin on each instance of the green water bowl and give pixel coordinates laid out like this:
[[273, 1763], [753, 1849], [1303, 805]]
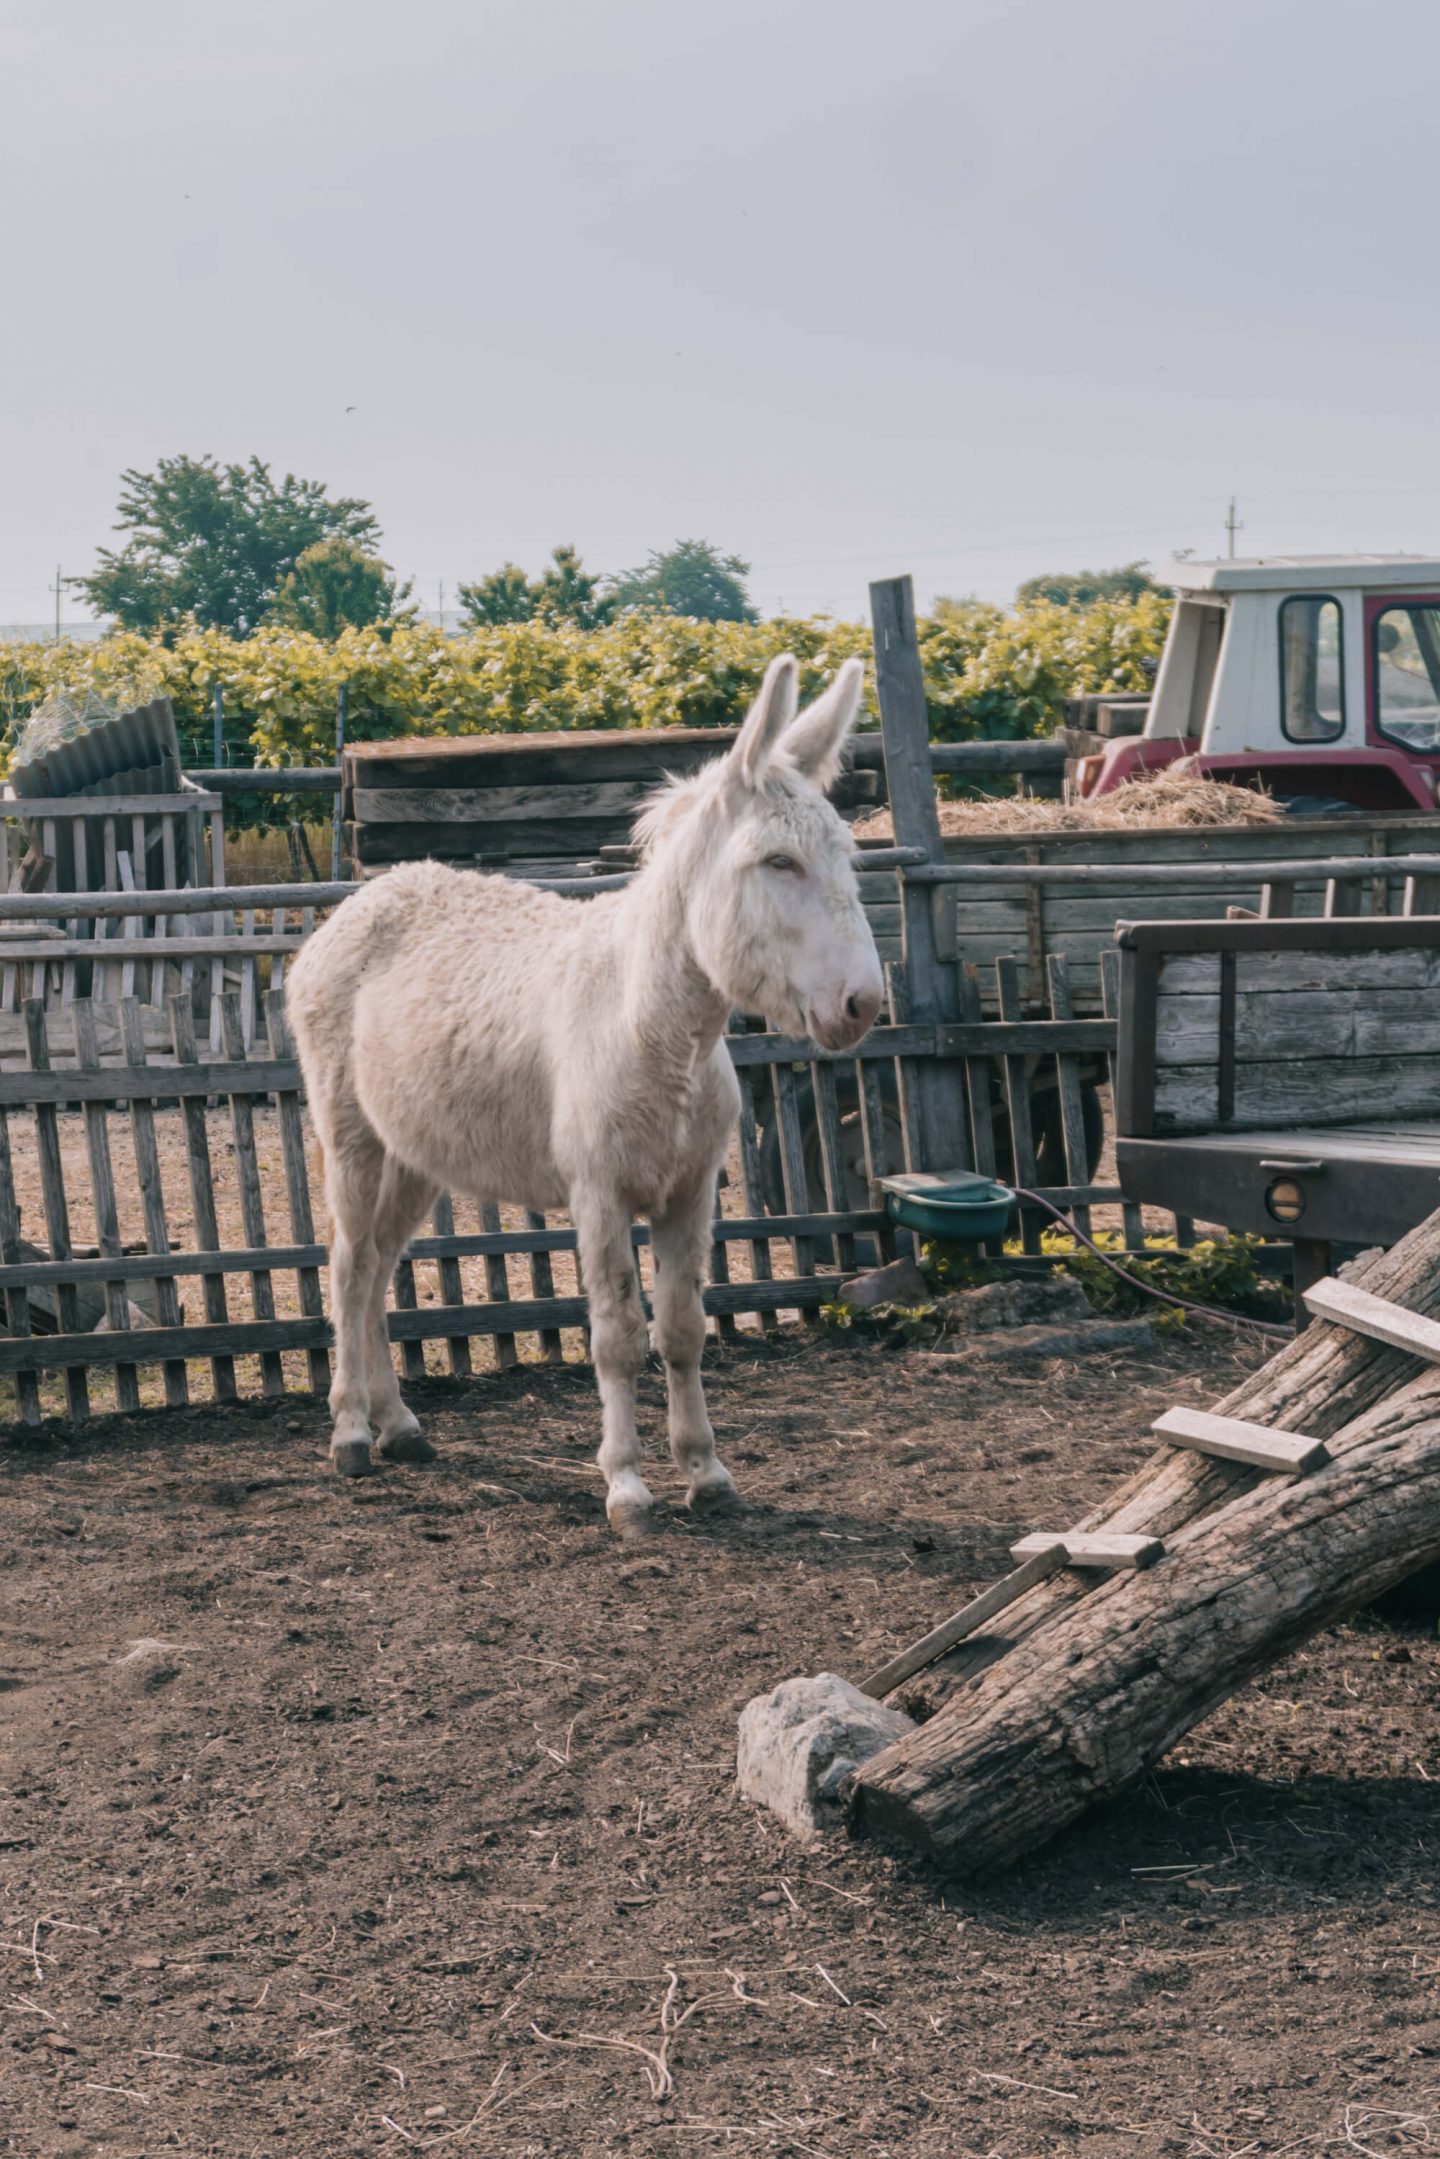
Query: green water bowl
[[959, 1209]]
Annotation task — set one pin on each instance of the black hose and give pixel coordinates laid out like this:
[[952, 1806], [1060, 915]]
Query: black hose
[[1270, 1328]]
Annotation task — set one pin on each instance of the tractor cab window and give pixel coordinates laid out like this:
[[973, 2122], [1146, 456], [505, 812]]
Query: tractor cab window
[[1312, 675], [1407, 675]]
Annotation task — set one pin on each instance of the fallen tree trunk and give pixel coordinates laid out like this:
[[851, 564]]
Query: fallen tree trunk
[[1088, 1686], [1317, 1384]]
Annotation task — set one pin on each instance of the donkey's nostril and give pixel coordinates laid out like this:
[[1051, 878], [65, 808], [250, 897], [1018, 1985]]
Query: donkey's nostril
[[852, 1007]]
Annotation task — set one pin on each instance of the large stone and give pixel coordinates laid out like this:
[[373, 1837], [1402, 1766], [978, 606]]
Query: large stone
[[800, 1742], [1021, 1301], [899, 1283], [1092, 1337]]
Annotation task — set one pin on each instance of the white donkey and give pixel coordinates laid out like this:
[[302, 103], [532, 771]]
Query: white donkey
[[477, 1034]]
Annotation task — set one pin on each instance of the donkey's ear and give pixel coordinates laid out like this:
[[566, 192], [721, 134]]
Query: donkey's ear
[[816, 741], [766, 721]]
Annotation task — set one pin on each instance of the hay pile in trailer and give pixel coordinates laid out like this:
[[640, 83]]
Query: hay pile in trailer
[[1305, 1494], [1170, 802]]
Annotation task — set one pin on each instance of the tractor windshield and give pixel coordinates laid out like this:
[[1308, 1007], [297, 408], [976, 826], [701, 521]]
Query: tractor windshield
[[1407, 675]]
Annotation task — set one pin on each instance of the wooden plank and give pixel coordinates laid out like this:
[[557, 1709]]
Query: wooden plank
[[202, 1198], [542, 1286], [497, 1281], [934, 992], [1235, 1439], [1100, 1548], [1344, 1305], [52, 1198], [102, 1191], [103, 806], [832, 1159], [433, 1323], [500, 805], [1067, 1080], [113, 1083], [17, 1301], [1273, 1027], [152, 1199], [792, 1163], [1320, 1091], [751, 1180], [968, 1620], [247, 1177], [457, 1347], [977, 1074], [297, 1185], [1017, 1103]]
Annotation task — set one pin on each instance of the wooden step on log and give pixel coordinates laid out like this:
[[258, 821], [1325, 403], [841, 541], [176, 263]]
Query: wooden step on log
[[1105, 1549], [1346, 1305], [1235, 1439], [968, 1620]]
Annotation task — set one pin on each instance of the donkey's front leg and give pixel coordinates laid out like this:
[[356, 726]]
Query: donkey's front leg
[[619, 1348], [680, 1241]]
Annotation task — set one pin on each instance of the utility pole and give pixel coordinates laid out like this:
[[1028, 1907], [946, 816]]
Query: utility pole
[[57, 603], [440, 618], [1232, 526]]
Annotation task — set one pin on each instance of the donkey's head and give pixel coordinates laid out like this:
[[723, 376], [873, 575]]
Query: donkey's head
[[771, 903]]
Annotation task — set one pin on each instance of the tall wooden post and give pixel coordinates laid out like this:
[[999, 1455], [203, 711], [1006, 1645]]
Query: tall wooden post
[[934, 991]]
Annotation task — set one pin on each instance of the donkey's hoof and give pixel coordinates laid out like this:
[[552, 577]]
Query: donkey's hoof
[[352, 1458], [406, 1446], [718, 1496], [630, 1521]]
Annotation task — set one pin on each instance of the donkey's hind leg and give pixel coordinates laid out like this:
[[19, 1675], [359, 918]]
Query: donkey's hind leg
[[354, 1164], [405, 1200], [680, 1243]]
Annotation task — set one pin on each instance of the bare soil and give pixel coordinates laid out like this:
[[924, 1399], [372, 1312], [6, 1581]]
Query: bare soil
[[347, 1819]]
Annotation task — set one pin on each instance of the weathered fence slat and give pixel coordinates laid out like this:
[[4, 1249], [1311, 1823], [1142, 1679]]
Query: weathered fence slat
[[457, 1347], [202, 1197], [102, 1191], [152, 1199], [52, 1199], [17, 1300], [247, 1176], [297, 1184]]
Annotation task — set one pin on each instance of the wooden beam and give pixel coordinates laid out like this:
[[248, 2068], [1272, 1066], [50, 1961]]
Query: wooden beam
[[1235, 1439], [968, 1620], [1101, 1548], [1346, 1305]]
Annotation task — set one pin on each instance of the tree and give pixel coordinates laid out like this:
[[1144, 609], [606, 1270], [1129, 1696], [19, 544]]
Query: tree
[[214, 543], [690, 578], [565, 592], [506, 595], [568, 592], [1080, 588], [336, 585]]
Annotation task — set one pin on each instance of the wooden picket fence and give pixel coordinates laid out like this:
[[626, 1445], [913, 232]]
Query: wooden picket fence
[[159, 1214]]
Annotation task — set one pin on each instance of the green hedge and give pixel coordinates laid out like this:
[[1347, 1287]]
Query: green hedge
[[988, 673]]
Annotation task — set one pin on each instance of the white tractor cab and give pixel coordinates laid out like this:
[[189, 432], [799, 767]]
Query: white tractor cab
[[1315, 676]]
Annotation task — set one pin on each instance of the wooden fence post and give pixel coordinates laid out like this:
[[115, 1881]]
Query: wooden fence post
[[934, 993]]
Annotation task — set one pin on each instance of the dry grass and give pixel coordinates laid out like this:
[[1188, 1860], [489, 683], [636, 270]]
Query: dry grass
[[1170, 801]]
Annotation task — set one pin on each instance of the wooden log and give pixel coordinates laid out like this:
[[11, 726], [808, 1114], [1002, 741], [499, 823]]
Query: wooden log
[[1109, 1678], [1317, 1384], [1104, 1694]]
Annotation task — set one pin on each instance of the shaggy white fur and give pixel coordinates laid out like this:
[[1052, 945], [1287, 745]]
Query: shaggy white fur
[[475, 1034]]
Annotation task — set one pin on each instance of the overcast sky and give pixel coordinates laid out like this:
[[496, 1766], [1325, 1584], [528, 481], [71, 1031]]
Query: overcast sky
[[965, 288]]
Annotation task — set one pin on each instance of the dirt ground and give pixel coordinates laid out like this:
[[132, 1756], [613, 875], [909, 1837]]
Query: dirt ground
[[353, 1819]]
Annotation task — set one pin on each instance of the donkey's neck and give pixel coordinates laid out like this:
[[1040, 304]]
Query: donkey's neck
[[671, 1007]]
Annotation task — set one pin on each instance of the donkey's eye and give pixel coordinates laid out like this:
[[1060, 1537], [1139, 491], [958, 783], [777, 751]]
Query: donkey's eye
[[781, 862]]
